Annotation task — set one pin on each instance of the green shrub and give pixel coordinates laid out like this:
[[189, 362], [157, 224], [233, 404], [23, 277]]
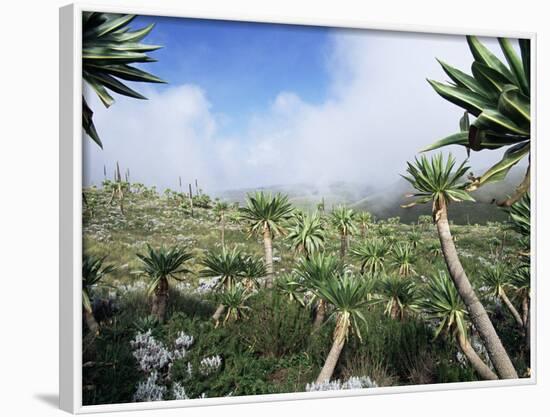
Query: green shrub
[[276, 327]]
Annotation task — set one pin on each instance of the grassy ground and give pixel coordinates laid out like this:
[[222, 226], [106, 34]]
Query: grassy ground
[[274, 350]]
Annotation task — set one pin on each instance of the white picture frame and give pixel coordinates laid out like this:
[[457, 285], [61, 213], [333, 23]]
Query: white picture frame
[[70, 154]]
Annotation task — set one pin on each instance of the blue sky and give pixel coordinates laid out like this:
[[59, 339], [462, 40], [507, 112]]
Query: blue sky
[[242, 65], [251, 105]]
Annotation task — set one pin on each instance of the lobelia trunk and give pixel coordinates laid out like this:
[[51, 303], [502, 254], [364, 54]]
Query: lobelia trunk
[[268, 248], [319, 314], [512, 309], [480, 367], [223, 231], [343, 245], [120, 196], [160, 300], [525, 311], [218, 313], [331, 361], [500, 359], [394, 312], [191, 200], [91, 322]]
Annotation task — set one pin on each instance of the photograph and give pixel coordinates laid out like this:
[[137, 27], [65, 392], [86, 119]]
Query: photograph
[[276, 208]]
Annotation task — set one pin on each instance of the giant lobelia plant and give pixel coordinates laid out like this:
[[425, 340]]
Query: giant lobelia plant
[[498, 96], [437, 181], [109, 49]]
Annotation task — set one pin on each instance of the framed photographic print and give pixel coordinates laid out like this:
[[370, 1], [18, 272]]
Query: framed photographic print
[[257, 210]]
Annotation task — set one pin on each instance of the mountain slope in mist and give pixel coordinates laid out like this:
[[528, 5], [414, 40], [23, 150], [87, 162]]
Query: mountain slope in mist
[[386, 202]]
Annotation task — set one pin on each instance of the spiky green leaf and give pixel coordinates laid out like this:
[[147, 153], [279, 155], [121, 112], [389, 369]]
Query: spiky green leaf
[[482, 55], [472, 102], [515, 64]]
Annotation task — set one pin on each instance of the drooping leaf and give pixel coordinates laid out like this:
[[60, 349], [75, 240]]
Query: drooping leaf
[[127, 72], [464, 122], [113, 84], [487, 140], [100, 90], [498, 171], [460, 138], [88, 124]]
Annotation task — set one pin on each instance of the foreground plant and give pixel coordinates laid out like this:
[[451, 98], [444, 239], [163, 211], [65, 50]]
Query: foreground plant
[[498, 96], [438, 182], [160, 265], [109, 49], [313, 272], [93, 271], [234, 300], [441, 302], [348, 295], [265, 215], [227, 266]]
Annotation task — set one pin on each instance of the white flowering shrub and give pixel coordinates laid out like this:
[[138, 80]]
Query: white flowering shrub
[[156, 360], [461, 358], [210, 365], [183, 341], [150, 390], [353, 382], [178, 392], [207, 285], [150, 354]]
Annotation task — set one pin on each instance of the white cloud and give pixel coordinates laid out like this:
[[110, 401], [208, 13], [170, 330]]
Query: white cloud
[[379, 112]]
